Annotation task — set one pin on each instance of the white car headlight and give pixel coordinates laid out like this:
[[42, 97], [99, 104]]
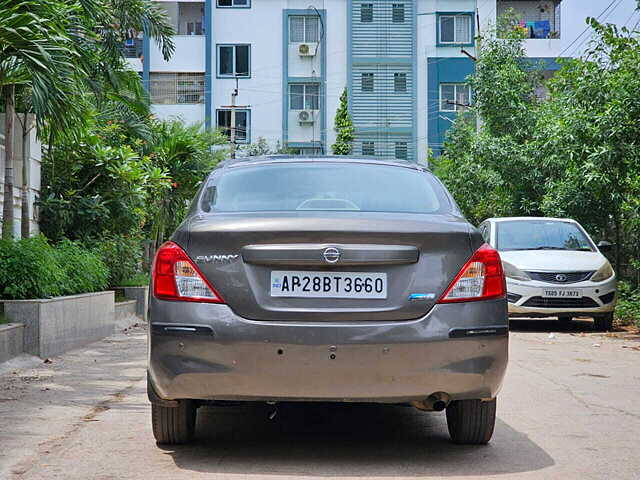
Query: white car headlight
[[603, 273], [511, 271]]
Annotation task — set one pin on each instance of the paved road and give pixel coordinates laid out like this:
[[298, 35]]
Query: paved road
[[570, 408]]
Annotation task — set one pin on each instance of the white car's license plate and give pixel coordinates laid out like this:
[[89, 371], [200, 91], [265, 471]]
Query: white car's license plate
[[558, 293], [329, 284]]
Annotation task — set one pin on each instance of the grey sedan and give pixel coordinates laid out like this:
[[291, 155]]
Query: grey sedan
[[326, 279]]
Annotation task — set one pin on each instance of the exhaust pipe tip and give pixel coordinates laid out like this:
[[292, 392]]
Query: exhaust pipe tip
[[436, 402], [439, 405]]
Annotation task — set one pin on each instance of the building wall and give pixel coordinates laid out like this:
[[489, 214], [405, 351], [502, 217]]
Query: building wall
[[348, 49], [385, 51]]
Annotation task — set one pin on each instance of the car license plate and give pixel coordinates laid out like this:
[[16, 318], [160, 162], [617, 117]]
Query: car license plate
[[329, 284], [556, 293]]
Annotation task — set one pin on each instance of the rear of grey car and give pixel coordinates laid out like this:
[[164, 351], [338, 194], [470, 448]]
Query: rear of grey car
[[326, 279]]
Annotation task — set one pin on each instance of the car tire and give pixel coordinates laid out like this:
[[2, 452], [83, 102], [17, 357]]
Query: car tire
[[565, 319], [174, 425], [603, 324], [471, 422]]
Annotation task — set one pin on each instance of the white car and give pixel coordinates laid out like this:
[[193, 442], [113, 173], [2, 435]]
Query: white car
[[553, 269]]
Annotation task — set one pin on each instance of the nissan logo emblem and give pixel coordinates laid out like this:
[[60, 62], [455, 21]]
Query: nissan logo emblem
[[561, 277], [331, 255]]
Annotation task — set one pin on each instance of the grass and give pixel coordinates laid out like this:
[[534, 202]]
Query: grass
[[138, 280], [3, 319]]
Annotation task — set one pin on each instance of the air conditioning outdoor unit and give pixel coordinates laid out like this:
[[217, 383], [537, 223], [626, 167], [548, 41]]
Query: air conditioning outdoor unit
[[306, 117], [307, 49]]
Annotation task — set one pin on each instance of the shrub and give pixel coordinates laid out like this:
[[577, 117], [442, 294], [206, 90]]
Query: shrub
[[121, 254], [33, 268], [84, 271], [628, 307], [138, 280]]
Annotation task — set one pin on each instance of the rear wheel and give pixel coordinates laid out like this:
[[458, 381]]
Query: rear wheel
[[174, 425], [603, 324], [471, 421]]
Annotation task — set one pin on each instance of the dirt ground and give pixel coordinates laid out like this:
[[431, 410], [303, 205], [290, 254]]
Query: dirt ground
[[569, 408]]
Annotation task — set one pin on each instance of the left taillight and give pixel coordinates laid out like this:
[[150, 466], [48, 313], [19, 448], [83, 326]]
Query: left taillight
[[175, 277], [481, 278]]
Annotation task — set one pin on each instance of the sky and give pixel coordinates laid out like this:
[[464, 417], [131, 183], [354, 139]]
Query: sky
[[621, 12]]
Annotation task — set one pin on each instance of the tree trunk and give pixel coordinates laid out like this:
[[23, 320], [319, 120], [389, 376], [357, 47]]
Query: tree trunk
[[7, 206], [25, 219]]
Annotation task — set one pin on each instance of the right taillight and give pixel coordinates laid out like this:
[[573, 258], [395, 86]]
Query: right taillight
[[175, 277], [481, 278]]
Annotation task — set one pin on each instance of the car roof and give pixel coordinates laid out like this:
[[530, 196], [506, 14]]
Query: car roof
[[519, 219], [270, 159]]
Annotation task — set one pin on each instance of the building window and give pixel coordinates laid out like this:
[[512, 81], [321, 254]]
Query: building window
[[454, 97], [234, 3], [368, 148], [223, 122], [367, 82], [176, 88], [455, 28], [401, 150], [397, 13], [304, 96], [400, 82], [304, 29], [366, 12], [234, 60]]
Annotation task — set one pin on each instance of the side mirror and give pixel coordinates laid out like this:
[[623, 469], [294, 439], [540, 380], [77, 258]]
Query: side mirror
[[605, 246]]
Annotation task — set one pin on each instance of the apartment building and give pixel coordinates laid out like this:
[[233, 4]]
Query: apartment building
[[404, 63]]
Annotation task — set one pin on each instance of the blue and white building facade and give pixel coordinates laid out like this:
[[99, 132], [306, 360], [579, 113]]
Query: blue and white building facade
[[403, 62]]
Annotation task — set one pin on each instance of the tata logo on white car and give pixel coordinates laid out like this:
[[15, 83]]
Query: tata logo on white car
[[561, 277]]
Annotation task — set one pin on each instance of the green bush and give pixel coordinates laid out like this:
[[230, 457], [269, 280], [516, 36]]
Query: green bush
[[33, 268], [84, 271], [628, 307], [121, 254], [138, 280]]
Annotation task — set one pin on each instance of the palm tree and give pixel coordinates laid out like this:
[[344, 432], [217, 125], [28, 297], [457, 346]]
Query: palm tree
[[34, 50], [67, 54]]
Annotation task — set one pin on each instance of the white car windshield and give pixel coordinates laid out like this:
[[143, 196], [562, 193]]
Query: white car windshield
[[541, 235]]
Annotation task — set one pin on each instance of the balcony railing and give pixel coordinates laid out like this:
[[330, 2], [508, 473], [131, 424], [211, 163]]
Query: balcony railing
[[538, 19]]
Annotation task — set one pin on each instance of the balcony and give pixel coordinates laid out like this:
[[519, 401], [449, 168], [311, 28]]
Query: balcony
[[187, 17], [189, 55], [538, 19]]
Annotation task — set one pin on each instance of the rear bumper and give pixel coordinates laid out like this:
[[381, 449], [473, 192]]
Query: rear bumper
[[205, 351]]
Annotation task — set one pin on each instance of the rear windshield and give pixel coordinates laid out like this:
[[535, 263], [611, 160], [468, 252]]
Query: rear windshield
[[325, 187], [541, 235]]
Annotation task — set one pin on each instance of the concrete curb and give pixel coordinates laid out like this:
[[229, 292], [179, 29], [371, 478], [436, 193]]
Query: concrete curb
[[141, 295], [11, 340], [55, 325]]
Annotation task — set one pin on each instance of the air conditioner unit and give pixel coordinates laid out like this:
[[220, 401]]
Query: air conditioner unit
[[307, 49], [306, 117]]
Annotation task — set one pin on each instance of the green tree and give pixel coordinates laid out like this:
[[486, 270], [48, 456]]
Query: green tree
[[186, 155], [590, 137], [343, 127], [489, 166], [575, 153], [35, 49], [66, 55]]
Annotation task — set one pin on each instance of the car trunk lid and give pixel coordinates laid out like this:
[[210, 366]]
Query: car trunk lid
[[419, 254]]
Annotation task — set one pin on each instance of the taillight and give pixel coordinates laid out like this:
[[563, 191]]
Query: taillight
[[175, 277], [481, 278]]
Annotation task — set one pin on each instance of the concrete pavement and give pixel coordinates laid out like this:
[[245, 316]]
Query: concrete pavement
[[570, 408]]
